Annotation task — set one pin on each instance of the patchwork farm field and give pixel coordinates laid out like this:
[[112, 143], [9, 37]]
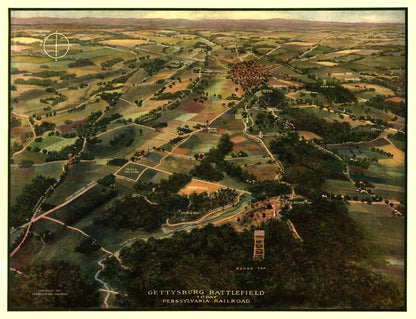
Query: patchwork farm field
[[200, 143]]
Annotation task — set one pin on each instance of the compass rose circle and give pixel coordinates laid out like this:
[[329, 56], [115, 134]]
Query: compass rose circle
[[56, 45]]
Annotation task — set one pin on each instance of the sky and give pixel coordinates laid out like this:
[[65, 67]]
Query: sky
[[369, 16]]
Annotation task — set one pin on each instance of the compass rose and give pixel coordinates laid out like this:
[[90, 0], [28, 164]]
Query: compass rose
[[56, 45]]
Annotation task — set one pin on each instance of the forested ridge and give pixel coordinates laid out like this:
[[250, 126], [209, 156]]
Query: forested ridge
[[321, 271]]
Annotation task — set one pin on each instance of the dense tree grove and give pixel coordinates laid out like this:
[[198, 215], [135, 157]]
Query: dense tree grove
[[269, 188], [84, 204], [153, 66], [80, 63], [110, 98], [65, 151], [117, 162], [272, 97], [48, 73], [111, 62], [15, 122], [43, 127], [133, 213], [157, 202], [212, 167], [334, 92], [26, 201], [87, 246], [107, 180], [207, 171], [306, 166], [320, 271], [54, 286]]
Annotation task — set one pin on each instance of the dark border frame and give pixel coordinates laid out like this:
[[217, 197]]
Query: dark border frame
[[405, 9]]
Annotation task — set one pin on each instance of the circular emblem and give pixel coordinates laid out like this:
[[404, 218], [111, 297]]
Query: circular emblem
[[56, 45]]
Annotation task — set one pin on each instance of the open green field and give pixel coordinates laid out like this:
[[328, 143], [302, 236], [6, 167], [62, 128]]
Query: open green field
[[35, 157], [30, 96], [152, 176], [387, 175], [109, 238], [63, 248], [340, 187], [133, 93], [152, 159], [214, 108], [128, 43], [127, 140], [232, 183], [78, 178], [387, 232], [387, 192], [224, 87], [399, 144], [391, 192], [94, 53], [136, 78], [155, 139], [361, 110], [53, 143], [229, 123], [177, 164], [324, 114], [90, 107], [390, 171], [21, 59], [359, 87], [29, 99], [379, 142], [19, 177], [394, 62], [246, 161], [386, 238]]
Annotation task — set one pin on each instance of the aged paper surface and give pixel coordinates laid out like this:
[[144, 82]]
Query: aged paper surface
[[58, 44]]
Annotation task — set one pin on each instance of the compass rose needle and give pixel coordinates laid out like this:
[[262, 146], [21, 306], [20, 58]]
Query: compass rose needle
[[56, 45]]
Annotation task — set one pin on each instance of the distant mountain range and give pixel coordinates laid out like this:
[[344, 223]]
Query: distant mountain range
[[203, 23]]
